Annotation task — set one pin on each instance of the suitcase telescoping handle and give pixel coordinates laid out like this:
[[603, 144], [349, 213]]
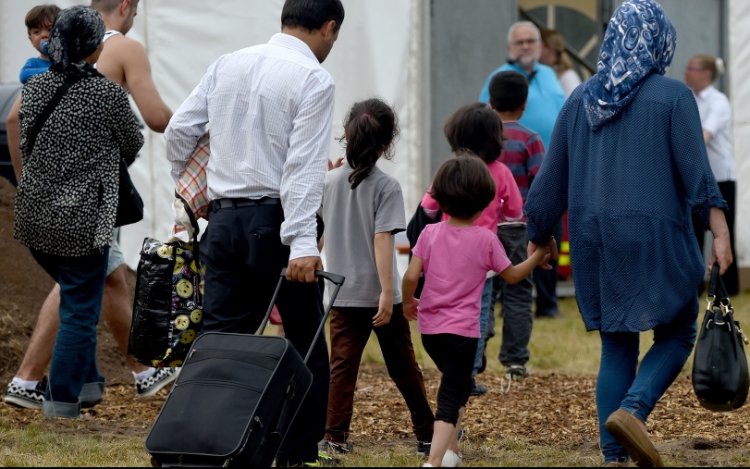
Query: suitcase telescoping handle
[[337, 280]]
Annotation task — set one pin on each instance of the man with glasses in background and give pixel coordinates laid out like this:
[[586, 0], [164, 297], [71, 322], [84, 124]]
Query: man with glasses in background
[[545, 100]]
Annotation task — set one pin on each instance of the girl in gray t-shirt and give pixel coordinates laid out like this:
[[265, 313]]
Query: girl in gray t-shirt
[[363, 209]]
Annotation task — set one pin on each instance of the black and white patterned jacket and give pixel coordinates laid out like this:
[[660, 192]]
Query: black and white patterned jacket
[[67, 197]]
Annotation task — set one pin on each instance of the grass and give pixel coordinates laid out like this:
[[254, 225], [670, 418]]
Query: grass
[[32, 446], [557, 346]]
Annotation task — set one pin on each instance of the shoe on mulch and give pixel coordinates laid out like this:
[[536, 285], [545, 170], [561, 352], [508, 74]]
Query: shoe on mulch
[[618, 464], [478, 389], [452, 459], [332, 448], [324, 460], [423, 448], [150, 386], [18, 396], [626, 429], [515, 372]]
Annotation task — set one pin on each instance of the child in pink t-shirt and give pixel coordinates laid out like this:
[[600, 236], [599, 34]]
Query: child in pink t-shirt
[[455, 257], [478, 128]]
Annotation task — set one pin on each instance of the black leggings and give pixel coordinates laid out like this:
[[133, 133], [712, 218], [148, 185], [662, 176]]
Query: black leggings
[[454, 356]]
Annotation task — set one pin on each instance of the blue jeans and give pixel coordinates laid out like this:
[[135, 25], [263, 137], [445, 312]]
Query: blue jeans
[[484, 316], [623, 385], [81, 282]]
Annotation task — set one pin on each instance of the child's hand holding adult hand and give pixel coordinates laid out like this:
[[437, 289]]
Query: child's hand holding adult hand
[[549, 250], [385, 310]]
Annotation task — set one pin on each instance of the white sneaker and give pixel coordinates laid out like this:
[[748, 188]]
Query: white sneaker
[[427, 465], [150, 386], [452, 459]]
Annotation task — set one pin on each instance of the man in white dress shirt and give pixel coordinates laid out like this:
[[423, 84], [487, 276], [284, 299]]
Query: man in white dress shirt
[[270, 109], [716, 119]]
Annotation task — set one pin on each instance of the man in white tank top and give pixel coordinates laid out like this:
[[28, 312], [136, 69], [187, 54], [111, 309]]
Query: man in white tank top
[[125, 62]]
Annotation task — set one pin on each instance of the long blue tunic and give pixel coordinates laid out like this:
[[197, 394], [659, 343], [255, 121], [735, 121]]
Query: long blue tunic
[[630, 188]]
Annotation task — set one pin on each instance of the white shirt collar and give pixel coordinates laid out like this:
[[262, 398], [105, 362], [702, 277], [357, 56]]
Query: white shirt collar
[[291, 42]]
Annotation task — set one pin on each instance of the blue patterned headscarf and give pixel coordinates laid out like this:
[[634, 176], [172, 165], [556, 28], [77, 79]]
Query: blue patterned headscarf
[[639, 41], [77, 33]]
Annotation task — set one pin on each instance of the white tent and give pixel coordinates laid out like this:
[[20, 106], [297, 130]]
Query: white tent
[[739, 38], [183, 37]]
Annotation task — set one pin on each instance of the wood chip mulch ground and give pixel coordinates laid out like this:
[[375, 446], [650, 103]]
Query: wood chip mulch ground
[[548, 410]]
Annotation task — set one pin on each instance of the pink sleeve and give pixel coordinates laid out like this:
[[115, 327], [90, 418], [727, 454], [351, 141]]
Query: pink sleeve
[[498, 259], [422, 247], [513, 203], [430, 205]]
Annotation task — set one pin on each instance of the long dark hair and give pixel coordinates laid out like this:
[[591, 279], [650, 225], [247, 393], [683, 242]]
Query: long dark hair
[[478, 128], [369, 131]]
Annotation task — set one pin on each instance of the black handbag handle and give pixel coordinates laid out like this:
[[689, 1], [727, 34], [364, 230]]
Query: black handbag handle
[[337, 280], [717, 292]]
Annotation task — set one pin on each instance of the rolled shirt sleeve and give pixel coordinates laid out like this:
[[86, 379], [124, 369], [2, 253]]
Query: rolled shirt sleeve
[[305, 169]]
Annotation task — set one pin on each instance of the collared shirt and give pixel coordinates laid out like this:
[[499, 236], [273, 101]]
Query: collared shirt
[[716, 118], [270, 108], [546, 98]]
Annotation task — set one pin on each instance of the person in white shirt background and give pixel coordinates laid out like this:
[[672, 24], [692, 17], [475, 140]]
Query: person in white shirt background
[[716, 119], [270, 109], [555, 56]]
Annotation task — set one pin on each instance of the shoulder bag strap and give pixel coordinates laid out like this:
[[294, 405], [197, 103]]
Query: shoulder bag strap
[[42, 119]]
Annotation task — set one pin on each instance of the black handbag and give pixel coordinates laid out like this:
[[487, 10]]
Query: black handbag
[[720, 372], [130, 203]]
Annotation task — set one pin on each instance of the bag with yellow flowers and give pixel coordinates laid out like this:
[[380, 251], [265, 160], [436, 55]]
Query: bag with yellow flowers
[[168, 306]]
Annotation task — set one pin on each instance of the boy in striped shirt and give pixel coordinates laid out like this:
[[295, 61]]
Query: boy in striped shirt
[[523, 154]]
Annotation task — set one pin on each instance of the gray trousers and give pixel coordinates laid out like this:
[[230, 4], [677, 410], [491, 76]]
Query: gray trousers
[[516, 300]]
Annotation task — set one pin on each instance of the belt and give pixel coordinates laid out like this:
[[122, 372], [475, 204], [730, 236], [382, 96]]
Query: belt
[[237, 203]]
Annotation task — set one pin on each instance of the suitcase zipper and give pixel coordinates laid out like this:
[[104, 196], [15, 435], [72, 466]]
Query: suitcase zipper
[[220, 382]]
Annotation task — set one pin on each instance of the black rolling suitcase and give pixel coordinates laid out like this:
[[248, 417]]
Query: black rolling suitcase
[[235, 398]]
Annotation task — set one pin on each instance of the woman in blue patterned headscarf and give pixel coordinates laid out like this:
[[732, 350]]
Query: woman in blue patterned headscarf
[[639, 41], [628, 162]]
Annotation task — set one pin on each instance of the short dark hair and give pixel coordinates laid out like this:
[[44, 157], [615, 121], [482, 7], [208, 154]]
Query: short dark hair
[[369, 131], [463, 186], [41, 15], [478, 128], [508, 91], [106, 7], [312, 14]]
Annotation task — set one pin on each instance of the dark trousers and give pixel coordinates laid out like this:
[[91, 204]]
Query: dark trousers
[[546, 282], [81, 282], [350, 331], [731, 277], [244, 257], [454, 356], [516, 300]]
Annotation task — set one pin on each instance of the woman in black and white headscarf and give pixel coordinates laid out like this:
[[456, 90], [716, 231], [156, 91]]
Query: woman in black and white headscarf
[[66, 202]]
